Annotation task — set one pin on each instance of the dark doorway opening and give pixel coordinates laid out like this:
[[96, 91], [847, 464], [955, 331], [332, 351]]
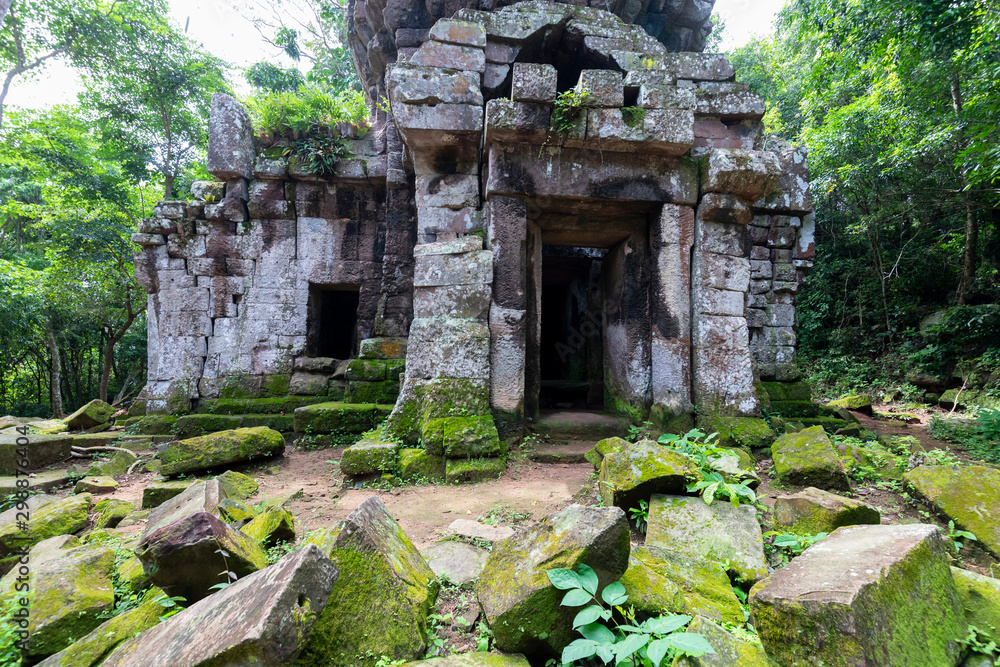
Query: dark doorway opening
[[571, 340], [333, 321]]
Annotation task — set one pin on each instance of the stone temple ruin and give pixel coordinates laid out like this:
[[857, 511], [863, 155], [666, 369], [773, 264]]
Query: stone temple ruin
[[488, 252]]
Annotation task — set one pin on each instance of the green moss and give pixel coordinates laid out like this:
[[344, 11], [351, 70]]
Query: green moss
[[474, 470], [154, 425], [807, 458], [62, 517], [330, 417], [238, 485], [797, 409], [232, 511], [642, 469], [668, 421], [92, 414], [452, 397], [190, 426], [418, 465], [367, 457], [372, 392], [967, 494], [729, 649], [467, 437], [980, 598], [371, 370], [111, 512], [93, 648], [257, 406], [216, 449], [788, 391], [746, 432], [660, 581], [272, 526], [473, 660], [855, 402], [275, 385], [158, 493]]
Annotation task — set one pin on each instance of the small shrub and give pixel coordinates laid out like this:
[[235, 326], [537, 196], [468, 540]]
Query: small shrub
[[567, 109]]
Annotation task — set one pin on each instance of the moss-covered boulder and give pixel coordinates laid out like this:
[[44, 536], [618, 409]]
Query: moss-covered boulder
[[787, 391], [270, 527], [481, 659], [458, 562], [470, 471], [110, 512], [69, 594], [866, 595], [115, 466], [335, 417], [238, 485], [231, 510], [216, 449], [521, 605], [202, 496], [158, 493], [417, 465], [642, 469], [659, 581], [92, 649], [381, 600], [980, 598], [717, 533], [368, 457], [261, 619], [813, 510], [92, 414], [872, 456], [968, 494], [858, 402], [183, 558], [49, 516], [808, 458], [730, 650]]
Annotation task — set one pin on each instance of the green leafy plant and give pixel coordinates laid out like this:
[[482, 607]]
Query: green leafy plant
[[713, 484], [956, 537], [227, 573], [978, 642], [988, 423], [173, 605], [651, 643], [639, 432], [567, 109], [319, 155], [633, 116], [941, 457], [640, 515], [785, 546], [703, 449]]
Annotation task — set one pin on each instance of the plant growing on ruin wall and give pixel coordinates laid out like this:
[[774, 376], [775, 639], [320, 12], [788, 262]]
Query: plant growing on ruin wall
[[567, 109]]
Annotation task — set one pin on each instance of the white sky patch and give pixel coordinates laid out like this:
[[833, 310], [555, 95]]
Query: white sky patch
[[222, 31]]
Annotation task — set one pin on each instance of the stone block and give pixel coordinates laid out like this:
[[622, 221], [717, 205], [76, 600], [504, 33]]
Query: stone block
[[726, 208], [813, 511], [730, 105], [652, 131], [721, 365], [231, 144], [507, 349], [473, 268], [722, 238], [441, 347], [606, 88], [438, 220], [698, 66], [749, 175], [450, 118], [450, 56], [534, 83], [652, 96], [808, 458], [722, 271], [838, 603], [148, 240], [462, 33], [517, 122], [454, 191], [710, 301], [464, 301], [410, 84]]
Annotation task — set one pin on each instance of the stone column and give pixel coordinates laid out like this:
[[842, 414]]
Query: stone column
[[671, 235]]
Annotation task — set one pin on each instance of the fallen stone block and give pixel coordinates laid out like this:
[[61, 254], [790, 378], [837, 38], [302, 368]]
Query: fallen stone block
[[457, 562], [203, 496], [730, 651], [91, 649], [417, 464], [968, 494], [808, 458], [183, 557], [110, 512], [660, 581], [642, 469], [69, 594], [49, 516], [40, 481], [237, 485], [262, 619], [515, 591], [980, 598], [470, 471], [96, 485], [271, 527], [815, 511], [158, 493], [372, 554], [92, 414], [866, 595], [330, 417], [216, 449], [481, 659], [40, 451], [718, 532], [368, 457]]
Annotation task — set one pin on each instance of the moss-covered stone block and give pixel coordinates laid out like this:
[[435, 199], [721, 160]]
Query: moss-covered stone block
[[448, 397], [718, 532], [367, 457], [798, 409], [282, 423], [271, 527], [115, 466], [154, 425], [812, 511], [131, 575], [53, 518], [158, 493], [874, 457], [237, 485], [666, 420], [91, 649], [470, 471], [189, 426], [372, 392], [659, 581], [968, 494], [865, 595], [730, 651], [96, 484], [520, 604], [605, 447], [94, 413], [216, 449], [468, 437], [858, 402], [231, 510], [110, 512], [788, 391], [746, 432], [371, 370], [382, 596], [275, 385], [808, 458], [638, 471], [331, 417], [980, 598], [257, 406], [418, 465], [70, 593], [382, 348], [41, 450]]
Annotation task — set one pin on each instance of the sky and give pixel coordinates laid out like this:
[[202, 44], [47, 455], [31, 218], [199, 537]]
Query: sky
[[226, 34]]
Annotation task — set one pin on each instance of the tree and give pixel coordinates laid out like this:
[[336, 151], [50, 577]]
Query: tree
[[152, 98], [37, 32]]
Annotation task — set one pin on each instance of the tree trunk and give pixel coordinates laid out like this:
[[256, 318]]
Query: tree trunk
[[109, 354], [55, 374], [970, 257], [168, 186]]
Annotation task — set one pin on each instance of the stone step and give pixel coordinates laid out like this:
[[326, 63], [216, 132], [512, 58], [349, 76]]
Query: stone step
[[570, 423], [189, 426], [339, 417], [42, 481], [571, 452], [245, 406]]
